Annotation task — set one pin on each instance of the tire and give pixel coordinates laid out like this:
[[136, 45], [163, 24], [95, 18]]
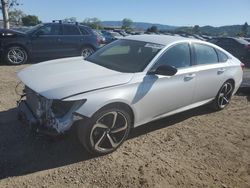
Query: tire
[[223, 97], [86, 51], [16, 55], [105, 131]]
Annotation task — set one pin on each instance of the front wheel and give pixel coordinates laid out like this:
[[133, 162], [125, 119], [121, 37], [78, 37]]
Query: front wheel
[[16, 55], [224, 96], [105, 131], [86, 51]]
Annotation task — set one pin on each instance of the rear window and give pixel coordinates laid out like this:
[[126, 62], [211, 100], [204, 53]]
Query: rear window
[[222, 56]]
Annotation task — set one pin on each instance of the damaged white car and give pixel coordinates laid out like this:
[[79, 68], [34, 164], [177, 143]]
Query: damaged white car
[[125, 84]]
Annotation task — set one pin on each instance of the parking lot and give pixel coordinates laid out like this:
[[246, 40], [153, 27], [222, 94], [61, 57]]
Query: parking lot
[[198, 148]]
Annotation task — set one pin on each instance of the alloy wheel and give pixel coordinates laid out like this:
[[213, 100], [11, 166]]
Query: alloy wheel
[[87, 52], [16, 55], [108, 132], [225, 95]]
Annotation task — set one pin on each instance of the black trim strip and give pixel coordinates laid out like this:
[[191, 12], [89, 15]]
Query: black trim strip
[[28, 107]]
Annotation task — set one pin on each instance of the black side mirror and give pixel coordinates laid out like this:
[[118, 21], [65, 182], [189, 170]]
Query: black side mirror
[[39, 33], [165, 70]]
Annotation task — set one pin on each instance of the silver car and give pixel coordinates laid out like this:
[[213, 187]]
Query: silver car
[[126, 84]]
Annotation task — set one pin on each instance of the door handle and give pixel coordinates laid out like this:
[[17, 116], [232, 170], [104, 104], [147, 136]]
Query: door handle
[[220, 71], [189, 77]]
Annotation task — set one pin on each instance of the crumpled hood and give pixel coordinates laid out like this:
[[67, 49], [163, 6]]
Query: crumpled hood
[[61, 78]]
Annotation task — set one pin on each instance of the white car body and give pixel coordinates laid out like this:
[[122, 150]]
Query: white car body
[[150, 97]]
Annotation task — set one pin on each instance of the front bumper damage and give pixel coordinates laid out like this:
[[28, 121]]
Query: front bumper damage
[[45, 115], [27, 117]]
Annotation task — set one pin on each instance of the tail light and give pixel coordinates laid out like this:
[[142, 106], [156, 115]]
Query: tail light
[[247, 46], [242, 65], [98, 40]]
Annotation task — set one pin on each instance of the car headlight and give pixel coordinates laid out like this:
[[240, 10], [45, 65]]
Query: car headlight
[[61, 108]]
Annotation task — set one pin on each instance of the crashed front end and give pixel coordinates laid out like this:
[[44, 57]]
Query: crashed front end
[[46, 115]]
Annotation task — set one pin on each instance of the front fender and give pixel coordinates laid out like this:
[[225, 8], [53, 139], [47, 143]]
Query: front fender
[[98, 99]]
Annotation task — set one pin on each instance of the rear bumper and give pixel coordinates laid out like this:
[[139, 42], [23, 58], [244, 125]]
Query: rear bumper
[[28, 118]]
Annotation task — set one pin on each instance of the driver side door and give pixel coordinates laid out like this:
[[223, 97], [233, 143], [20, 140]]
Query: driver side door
[[46, 41], [163, 94]]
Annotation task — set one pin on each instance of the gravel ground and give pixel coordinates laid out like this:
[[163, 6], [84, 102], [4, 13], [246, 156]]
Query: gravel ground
[[197, 148]]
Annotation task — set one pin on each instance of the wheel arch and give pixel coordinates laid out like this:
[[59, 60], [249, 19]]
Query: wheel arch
[[121, 105], [19, 45], [87, 45], [232, 81]]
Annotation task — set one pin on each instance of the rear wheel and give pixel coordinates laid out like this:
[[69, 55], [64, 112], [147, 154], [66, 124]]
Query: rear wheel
[[105, 131], [16, 55], [224, 96], [86, 51]]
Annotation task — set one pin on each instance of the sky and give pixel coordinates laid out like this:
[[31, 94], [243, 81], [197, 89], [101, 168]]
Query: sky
[[169, 12]]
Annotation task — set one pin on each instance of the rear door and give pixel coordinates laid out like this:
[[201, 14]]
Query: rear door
[[210, 71], [71, 40]]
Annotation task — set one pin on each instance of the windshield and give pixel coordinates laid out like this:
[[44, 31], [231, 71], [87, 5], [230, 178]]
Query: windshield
[[33, 29], [125, 55]]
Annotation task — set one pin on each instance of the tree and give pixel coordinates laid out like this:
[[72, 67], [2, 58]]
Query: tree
[[196, 29], [94, 23], [30, 20], [244, 30], [152, 29], [127, 23], [16, 16], [6, 5], [71, 19]]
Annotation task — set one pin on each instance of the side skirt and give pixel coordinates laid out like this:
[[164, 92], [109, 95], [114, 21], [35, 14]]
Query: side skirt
[[185, 108]]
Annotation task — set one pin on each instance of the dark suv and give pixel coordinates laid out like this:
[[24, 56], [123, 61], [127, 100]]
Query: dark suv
[[49, 40], [240, 48]]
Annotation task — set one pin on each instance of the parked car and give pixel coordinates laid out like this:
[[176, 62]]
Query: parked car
[[100, 36], [125, 84], [239, 47], [247, 39], [49, 40], [111, 36], [121, 32]]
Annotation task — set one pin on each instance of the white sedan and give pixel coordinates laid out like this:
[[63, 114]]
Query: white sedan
[[126, 84]]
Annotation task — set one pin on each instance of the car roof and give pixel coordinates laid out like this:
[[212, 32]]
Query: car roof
[[71, 24], [158, 39]]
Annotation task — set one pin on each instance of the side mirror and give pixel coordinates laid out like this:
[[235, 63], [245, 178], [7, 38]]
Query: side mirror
[[165, 70], [39, 33]]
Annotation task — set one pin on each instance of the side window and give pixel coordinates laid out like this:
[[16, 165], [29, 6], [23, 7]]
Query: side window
[[83, 31], [205, 54], [222, 57], [177, 56], [70, 30], [49, 30]]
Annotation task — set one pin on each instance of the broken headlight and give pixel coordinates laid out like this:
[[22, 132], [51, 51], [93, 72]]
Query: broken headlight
[[61, 108]]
